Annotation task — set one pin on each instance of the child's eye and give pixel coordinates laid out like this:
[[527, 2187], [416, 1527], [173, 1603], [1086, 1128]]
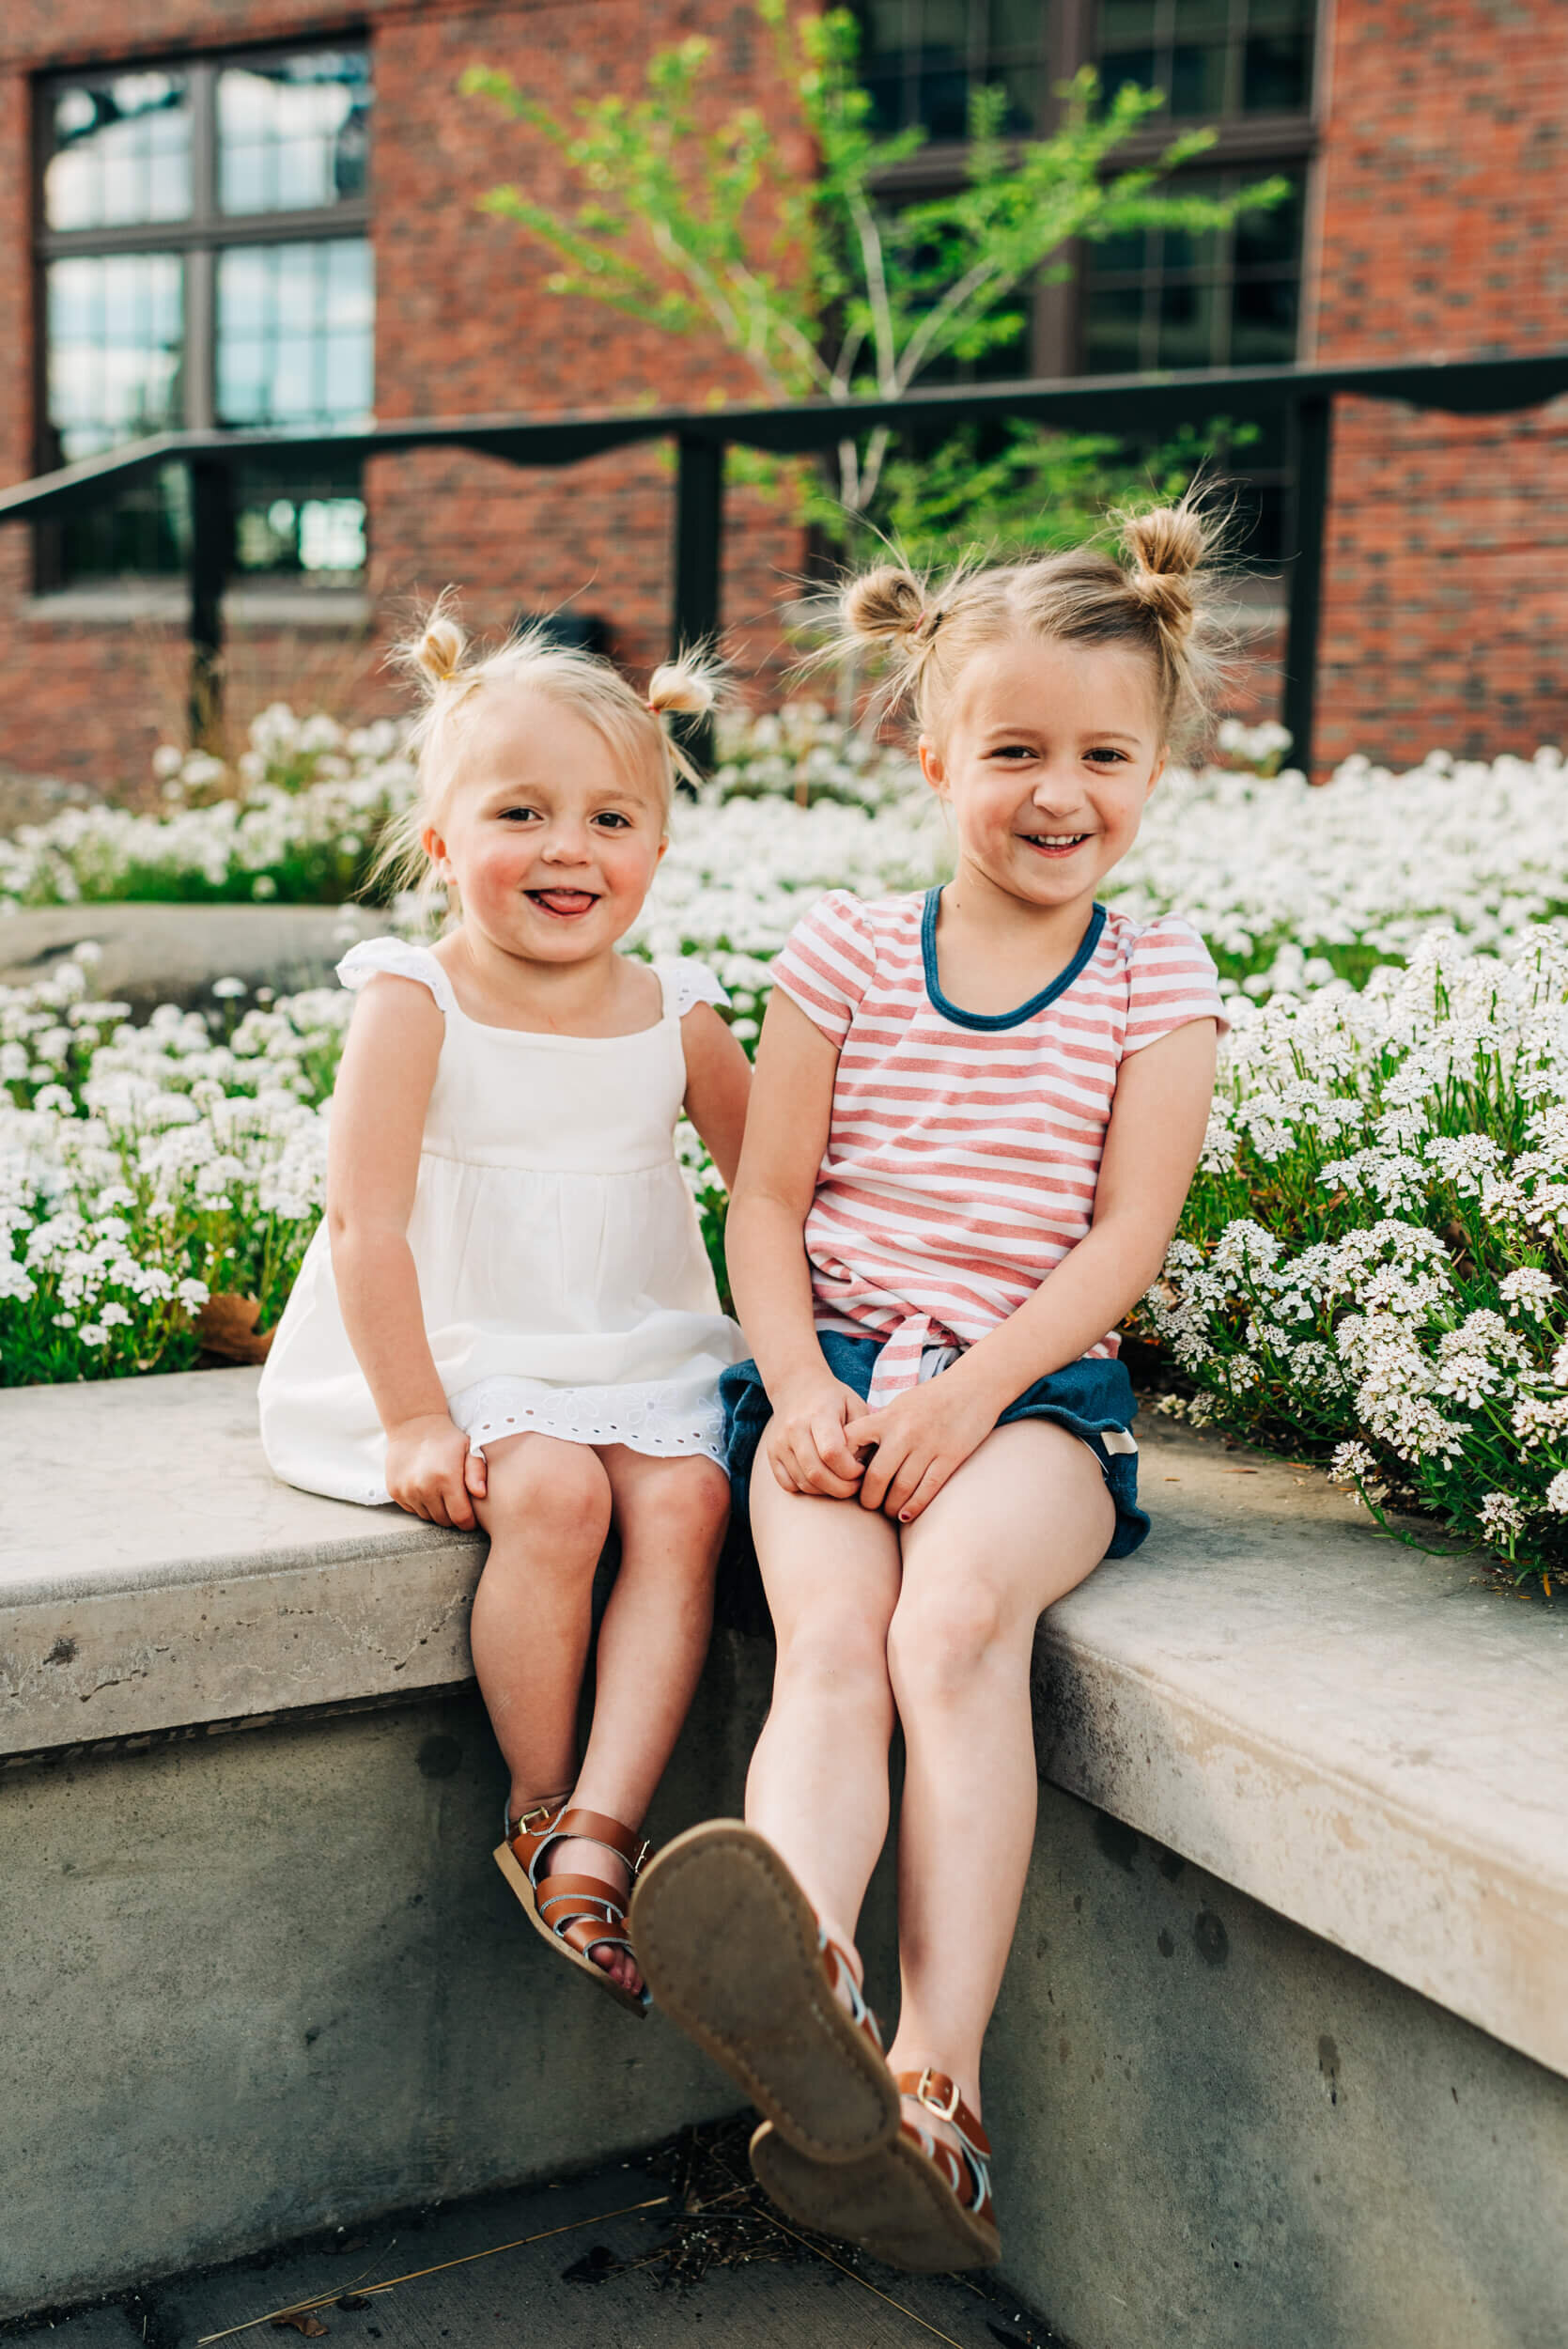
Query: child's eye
[[1011, 750], [1108, 755], [613, 820], [519, 814]]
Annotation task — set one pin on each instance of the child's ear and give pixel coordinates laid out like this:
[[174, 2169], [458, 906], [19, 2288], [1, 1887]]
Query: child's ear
[[932, 766], [1158, 770], [433, 846]]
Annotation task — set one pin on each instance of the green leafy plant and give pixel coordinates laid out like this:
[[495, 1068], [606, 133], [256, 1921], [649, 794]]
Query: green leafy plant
[[822, 283]]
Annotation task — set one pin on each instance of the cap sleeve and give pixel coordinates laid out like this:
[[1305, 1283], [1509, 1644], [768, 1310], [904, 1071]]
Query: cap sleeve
[[686, 981], [828, 962], [1171, 981], [403, 960]]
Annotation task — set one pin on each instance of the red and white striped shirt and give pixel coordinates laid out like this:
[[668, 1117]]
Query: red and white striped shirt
[[964, 1148]]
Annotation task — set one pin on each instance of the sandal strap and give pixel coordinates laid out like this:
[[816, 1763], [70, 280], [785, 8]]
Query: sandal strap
[[596, 1826], [587, 1934], [939, 2094], [841, 1976], [552, 1889]]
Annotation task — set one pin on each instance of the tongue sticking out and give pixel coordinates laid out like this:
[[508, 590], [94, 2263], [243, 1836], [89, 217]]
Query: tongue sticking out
[[563, 900]]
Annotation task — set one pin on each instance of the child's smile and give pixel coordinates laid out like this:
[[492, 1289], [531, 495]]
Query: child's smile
[[1047, 754]]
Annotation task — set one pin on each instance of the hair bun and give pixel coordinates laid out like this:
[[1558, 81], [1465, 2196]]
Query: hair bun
[[432, 652], [888, 606], [682, 686], [1168, 546]]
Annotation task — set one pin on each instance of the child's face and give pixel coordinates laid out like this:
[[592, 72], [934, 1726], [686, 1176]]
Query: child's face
[[550, 842], [1047, 754]]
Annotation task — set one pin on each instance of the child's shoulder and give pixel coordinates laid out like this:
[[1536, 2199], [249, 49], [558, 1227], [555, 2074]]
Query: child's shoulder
[[398, 958], [1127, 940], [842, 914]]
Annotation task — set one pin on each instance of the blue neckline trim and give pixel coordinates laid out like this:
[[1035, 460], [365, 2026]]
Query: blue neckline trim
[[1059, 986]]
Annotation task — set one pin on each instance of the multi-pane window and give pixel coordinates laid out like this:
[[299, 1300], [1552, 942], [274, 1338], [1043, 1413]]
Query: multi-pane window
[[206, 261], [1212, 57], [923, 59], [1179, 297]]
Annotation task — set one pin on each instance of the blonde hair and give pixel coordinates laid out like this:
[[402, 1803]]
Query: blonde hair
[[436, 656], [1155, 599]]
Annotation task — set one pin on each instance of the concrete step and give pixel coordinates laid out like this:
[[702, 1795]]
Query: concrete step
[[642, 2253]]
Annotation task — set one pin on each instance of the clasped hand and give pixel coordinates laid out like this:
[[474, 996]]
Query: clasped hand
[[432, 1472], [822, 1440]]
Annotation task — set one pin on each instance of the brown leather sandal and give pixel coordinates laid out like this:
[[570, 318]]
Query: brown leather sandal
[[576, 1914], [734, 1954], [918, 2204]]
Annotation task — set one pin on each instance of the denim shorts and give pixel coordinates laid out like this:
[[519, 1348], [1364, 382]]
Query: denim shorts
[[1092, 1398]]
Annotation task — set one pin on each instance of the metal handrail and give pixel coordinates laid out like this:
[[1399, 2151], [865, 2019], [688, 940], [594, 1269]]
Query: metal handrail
[[1301, 397]]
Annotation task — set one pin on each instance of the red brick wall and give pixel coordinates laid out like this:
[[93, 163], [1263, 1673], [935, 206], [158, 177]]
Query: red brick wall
[[465, 325], [1444, 233], [1439, 231]]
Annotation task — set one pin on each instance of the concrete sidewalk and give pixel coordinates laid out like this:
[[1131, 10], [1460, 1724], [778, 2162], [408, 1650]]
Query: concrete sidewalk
[[671, 2248]]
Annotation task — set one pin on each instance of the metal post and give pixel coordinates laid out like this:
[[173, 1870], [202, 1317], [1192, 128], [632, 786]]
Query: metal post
[[211, 529], [1310, 435], [699, 532]]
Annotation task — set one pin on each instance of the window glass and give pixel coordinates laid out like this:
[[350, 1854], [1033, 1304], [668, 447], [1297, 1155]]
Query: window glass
[[923, 60], [295, 333], [1211, 57], [115, 329], [1226, 298], [120, 152], [293, 132]]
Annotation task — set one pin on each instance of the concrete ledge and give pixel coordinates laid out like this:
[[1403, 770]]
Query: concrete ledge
[[171, 954], [1370, 1742]]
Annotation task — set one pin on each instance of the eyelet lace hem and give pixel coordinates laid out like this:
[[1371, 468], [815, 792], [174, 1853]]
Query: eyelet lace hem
[[645, 1418]]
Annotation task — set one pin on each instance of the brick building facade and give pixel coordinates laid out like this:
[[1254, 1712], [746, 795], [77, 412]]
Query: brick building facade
[[1427, 144]]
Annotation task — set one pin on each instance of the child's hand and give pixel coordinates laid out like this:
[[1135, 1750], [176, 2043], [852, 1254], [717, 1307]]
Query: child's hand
[[432, 1472], [920, 1436], [805, 1440]]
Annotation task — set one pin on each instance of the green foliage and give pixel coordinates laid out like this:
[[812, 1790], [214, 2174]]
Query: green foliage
[[824, 287]]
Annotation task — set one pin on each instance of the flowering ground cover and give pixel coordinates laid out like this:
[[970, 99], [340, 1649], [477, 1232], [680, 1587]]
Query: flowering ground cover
[[1371, 1267]]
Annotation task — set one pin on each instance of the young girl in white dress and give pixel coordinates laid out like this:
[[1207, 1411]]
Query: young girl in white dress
[[507, 1315]]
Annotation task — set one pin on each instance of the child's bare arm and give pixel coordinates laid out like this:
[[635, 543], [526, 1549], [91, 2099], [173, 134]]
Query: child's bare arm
[[1158, 1122], [718, 1083], [373, 1143], [786, 1132]]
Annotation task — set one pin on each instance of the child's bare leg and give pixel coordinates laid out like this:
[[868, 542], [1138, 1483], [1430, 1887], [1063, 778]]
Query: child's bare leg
[[1023, 1521], [670, 1515], [817, 1787], [547, 1511]]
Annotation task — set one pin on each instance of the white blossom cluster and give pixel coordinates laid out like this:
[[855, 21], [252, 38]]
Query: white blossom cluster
[[1374, 1252], [144, 1168]]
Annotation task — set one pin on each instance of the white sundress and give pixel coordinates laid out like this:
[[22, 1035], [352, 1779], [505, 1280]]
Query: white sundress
[[565, 1284]]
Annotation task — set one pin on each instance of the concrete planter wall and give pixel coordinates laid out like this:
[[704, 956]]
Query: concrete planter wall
[[1281, 2054]]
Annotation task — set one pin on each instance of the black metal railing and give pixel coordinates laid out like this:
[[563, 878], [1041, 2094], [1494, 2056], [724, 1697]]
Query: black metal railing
[[1299, 398]]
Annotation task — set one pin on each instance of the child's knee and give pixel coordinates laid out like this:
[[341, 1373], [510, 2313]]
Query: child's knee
[[551, 1493], [942, 1633], [841, 1652], [685, 1501]]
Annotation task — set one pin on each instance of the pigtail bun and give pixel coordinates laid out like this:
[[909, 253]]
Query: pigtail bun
[[888, 606], [432, 652], [685, 687], [1167, 548]]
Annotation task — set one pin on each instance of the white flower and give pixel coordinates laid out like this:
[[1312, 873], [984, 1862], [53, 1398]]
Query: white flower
[[227, 989], [1530, 1291], [1352, 1464], [1557, 1493], [1502, 1520]]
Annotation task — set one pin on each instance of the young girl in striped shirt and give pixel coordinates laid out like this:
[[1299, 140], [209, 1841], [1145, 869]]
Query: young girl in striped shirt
[[974, 1122]]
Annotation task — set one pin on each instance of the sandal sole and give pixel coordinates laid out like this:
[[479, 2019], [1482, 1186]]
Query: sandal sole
[[893, 2204], [516, 1876], [727, 1941]]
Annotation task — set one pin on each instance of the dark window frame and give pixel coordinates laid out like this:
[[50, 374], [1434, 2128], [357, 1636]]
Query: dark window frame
[[196, 238]]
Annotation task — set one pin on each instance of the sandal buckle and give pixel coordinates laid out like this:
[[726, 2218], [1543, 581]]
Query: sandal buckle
[[926, 2094]]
